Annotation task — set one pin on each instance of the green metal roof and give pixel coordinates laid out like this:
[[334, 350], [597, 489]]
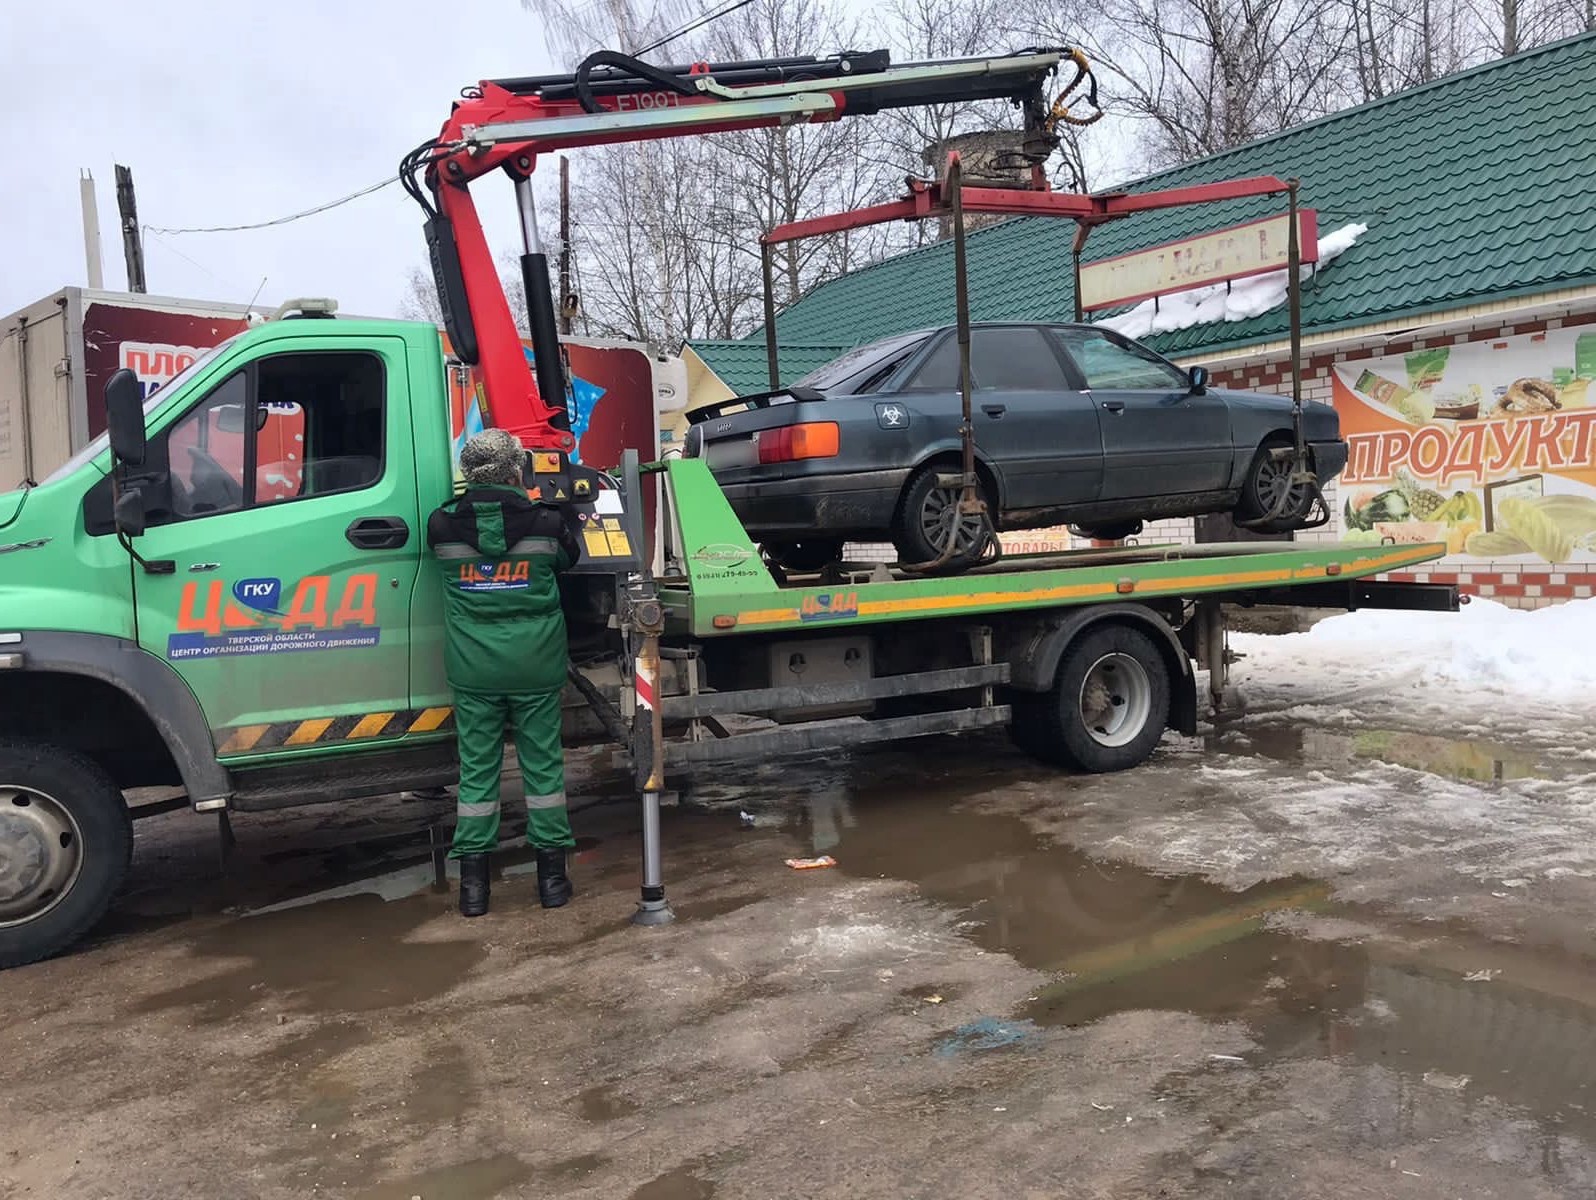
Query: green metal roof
[[1478, 186], [741, 366]]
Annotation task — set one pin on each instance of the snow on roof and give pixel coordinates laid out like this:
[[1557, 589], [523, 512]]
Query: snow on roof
[[1239, 301]]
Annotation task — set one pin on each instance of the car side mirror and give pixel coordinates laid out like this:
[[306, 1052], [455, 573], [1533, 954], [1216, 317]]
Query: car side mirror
[[1198, 378], [124, 417], [129, 511]]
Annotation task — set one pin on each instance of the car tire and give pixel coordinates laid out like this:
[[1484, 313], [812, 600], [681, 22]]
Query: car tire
[[1108, 706], [809, 555], [1116, 532], [925, 507], [66, 839], [1260, 490]]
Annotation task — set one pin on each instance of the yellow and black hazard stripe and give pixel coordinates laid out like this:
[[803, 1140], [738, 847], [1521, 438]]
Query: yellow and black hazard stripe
[[321, 731]]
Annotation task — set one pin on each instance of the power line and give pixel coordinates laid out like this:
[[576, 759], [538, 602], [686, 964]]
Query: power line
[[309, 212], [687, 29]]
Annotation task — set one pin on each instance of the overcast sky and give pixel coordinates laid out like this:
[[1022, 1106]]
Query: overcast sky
[[234, 112]]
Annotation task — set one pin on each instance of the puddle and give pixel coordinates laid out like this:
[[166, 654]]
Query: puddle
[[1117, 938], [482, 1179], [680, 1184], [603, 1103], [344, 956], [571, 1170], [443, 1089], [323, 1043], [1467, 759]]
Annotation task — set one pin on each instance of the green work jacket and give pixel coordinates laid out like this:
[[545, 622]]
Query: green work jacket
[[499, 552]]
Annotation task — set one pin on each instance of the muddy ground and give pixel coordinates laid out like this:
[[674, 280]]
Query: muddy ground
[[1312, 954]]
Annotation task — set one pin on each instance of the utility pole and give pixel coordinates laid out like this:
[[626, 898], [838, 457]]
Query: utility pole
[[567, 305], [91, 229], [132, 242]]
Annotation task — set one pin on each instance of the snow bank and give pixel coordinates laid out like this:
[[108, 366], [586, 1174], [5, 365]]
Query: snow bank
[[1244, 298], [1541, 654]]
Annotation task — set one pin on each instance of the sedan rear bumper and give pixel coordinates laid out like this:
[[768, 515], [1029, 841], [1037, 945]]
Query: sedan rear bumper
[[858, 504]]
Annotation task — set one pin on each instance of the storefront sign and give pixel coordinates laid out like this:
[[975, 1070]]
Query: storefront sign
[[1232, 253], [1489, 447]]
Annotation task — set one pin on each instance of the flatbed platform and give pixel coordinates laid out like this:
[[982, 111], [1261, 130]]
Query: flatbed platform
[[723, 588]]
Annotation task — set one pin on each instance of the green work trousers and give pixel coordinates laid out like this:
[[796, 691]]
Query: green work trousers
[[534, 718]]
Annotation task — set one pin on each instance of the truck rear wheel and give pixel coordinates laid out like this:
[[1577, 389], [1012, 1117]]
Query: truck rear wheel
[[65, 842], [1107, 708]]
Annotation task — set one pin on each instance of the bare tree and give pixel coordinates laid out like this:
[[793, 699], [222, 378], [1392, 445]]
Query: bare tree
[[1201, 76], [1399, 44]]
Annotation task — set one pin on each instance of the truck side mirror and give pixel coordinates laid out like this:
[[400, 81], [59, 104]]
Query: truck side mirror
[[129, 512], [1198, 378], [124, 417]]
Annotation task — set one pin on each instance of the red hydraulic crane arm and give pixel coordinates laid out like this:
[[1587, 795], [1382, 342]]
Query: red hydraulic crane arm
[[928, 200], [505, 124]]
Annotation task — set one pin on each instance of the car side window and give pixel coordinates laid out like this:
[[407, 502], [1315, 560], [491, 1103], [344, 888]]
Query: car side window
[[1013, 358], [940, 372], [286, 428], [1107, 363]]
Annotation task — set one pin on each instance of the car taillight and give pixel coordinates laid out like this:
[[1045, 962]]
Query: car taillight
[[817, 439]]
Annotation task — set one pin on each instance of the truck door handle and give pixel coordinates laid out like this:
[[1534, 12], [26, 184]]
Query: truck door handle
[[994, 410], [378, 533], [1114, 406]]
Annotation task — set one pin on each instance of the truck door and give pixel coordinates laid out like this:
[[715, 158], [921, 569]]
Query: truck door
[[293, 530], [1158, 438]]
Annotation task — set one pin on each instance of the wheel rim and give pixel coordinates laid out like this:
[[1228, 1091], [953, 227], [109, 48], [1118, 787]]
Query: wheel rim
[[1274, 481], [1116, 700], [41, 854], [937, 518]]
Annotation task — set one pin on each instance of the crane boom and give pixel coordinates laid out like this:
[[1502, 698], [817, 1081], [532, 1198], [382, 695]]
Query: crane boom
[[611, 98]]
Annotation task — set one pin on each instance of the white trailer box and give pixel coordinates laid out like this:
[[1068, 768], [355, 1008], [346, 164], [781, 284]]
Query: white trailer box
[[57, 353]]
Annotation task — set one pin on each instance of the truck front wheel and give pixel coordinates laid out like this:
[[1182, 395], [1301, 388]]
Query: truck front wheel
[[1107, 708], [65, 841]]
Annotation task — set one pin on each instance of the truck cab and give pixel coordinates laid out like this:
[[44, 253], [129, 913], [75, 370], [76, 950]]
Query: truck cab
[[278, 501]]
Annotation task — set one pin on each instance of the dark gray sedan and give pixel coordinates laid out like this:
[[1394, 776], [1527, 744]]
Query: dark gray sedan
[[1074, 424]]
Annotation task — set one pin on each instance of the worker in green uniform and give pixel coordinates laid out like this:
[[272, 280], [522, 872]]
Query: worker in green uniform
[[505, 654]]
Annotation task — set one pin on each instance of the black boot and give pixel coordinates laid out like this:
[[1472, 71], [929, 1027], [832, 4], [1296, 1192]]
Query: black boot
[[554, 885], [473, 885]]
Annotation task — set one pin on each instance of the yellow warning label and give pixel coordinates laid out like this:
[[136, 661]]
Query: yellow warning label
[[620, 545], [559, 493], [594, 543], [612, 524], [545, 463]]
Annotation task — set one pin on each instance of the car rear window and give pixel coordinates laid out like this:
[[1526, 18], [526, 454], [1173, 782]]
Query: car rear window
[[865, 367]]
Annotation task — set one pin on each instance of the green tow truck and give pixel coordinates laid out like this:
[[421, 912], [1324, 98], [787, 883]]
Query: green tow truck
[[229, 593], [189, 629]]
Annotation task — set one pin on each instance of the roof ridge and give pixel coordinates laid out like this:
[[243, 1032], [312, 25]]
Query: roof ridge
[[1454, 78]]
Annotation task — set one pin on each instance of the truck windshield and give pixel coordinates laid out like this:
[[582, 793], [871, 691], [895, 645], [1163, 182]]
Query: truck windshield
[[93, 449]]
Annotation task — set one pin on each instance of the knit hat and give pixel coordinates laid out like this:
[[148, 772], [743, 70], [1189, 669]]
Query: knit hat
[[492, 456]]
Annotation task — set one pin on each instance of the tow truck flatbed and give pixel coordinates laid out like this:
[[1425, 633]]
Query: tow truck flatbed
[[723, 588]]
